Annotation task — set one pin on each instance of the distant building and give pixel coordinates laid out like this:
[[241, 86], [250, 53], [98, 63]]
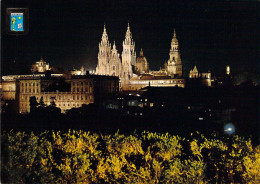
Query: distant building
[[109, 62], [174, 64], [194, 73], [68, 93], [199, 79], [132, 71], [40, 66], [82, 71]]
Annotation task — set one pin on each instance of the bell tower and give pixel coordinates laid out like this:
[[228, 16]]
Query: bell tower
[[128, 56], [174, 65], [104, 55]]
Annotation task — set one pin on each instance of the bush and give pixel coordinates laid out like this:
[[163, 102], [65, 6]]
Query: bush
[[82, 157]]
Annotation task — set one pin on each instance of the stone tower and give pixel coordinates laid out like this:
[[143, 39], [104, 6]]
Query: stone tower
[[174, 65], [115, 66], [128, 57], [104, 55]]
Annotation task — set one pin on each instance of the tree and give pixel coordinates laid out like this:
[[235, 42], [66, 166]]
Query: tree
[[33, 104], [52, 98], [41, 102]]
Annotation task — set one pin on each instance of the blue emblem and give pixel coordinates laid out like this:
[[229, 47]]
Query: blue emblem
[[16, 22]]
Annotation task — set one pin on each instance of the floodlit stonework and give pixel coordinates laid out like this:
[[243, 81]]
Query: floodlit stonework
[[68, 93], [194, 73], [131, 71], [141, 65], [174, 64], [109, 62], [40, 66]]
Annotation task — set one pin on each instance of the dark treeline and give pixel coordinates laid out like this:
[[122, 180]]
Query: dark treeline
[[168, 114]]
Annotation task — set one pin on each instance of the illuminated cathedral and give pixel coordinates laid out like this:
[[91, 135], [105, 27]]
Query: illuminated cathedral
[[134, 72]]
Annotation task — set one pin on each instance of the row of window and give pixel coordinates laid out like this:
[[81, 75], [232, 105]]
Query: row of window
[[82, 89], [58, 105], [30, 84], [30, 90], [81, 83], [47, 98]]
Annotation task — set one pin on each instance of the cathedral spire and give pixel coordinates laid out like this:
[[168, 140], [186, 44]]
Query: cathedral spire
[[128, 32], [105, 36], [174, 43], [114, 45], [128, 27], [141, 52]]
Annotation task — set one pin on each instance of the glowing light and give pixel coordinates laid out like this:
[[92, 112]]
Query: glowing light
[[229, 128]]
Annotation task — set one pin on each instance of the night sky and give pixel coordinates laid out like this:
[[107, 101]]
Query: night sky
[[66, 34]]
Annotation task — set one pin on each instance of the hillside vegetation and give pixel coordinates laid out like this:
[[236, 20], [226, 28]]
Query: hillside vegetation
[[84, 157]]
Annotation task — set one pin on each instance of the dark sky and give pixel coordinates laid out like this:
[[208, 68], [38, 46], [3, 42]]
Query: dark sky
[[211, 34]]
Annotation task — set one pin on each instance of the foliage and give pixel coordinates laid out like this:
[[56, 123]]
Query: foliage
[[84, 157]]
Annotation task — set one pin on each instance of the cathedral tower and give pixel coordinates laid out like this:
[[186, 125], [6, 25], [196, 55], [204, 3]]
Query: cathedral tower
[[104, 55], [115, 66], [174, 65], [128, 56]]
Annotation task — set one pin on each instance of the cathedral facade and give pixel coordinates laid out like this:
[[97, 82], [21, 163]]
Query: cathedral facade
[[131, 71], [109, 61]]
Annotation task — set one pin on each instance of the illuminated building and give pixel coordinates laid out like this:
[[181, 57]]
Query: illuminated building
[[40, 66], [194, 73], [141, 65], [174, 64], [109, 63], [204, 77], [68, 93], [74, 71]]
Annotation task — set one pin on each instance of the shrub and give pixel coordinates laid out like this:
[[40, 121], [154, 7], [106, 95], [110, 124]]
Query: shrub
[[84, 157]]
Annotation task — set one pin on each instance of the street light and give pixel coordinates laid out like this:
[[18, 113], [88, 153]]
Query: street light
[[229, 128]]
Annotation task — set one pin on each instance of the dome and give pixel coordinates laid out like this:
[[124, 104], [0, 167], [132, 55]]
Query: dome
[[141, 58], [141, 65]]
